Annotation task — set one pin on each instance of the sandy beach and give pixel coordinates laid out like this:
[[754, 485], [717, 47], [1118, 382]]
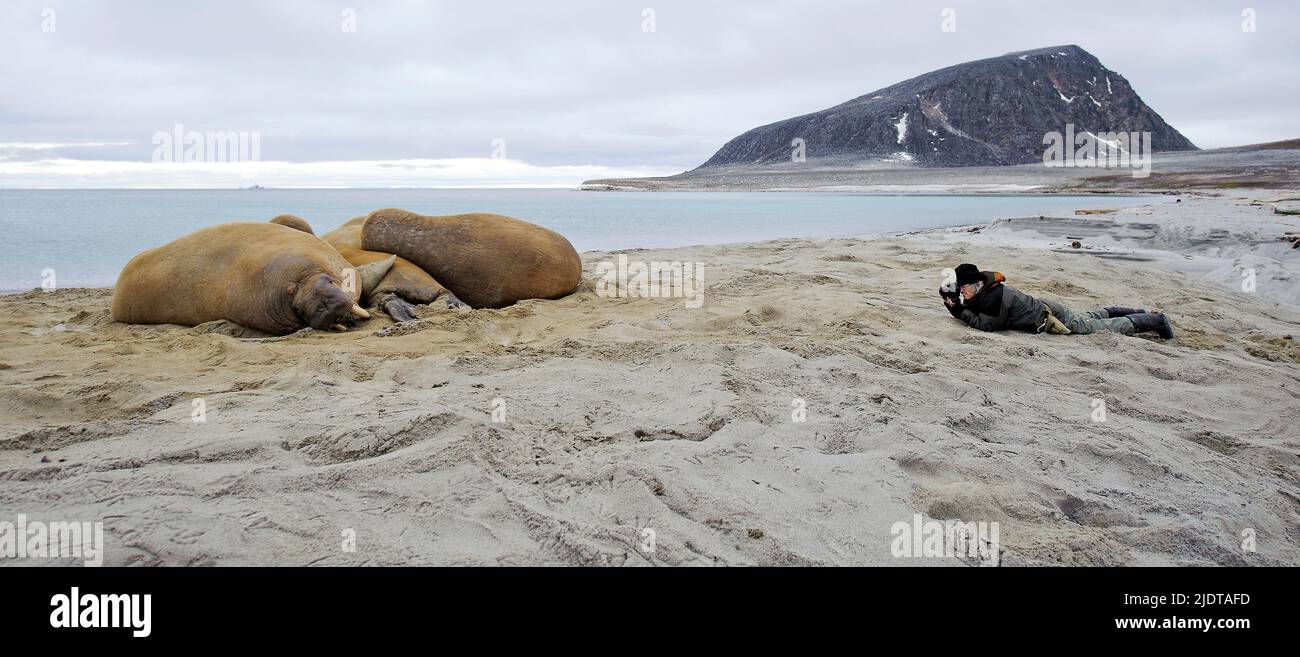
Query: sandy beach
[[572, 431]]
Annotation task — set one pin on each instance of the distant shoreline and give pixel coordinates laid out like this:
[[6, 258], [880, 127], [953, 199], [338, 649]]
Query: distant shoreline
[[1264, 166], [276, 188], [889, 190]]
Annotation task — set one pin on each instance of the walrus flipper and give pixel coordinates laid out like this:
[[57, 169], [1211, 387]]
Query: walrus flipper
[[397, 308], [402, 310]]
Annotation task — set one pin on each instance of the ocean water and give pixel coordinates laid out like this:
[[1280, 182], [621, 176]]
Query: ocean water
[[86, 236]]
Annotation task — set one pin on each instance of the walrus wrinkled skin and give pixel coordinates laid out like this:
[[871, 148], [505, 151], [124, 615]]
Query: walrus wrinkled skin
[[402, 288], [487, 260], [263, 276]]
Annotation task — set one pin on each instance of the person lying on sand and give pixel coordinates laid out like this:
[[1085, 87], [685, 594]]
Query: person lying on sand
[[985, 302]]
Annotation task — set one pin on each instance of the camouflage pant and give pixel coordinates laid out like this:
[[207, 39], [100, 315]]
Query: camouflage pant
[[1091, 321]]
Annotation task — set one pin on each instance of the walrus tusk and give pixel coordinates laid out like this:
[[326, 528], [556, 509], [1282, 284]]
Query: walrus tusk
[[360, 312], [340, 328]]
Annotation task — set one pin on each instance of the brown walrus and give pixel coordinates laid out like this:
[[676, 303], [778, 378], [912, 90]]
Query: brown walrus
[[487, 260], [370, 270], [263, 276], [405, 283], [295, 222]]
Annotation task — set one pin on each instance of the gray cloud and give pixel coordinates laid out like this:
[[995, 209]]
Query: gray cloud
[[579, 82]]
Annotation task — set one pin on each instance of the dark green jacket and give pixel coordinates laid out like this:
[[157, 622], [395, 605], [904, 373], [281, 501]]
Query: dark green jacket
[[1000, 307]]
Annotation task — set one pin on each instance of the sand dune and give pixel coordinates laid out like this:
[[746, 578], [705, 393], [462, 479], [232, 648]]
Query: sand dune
[[622, 415]]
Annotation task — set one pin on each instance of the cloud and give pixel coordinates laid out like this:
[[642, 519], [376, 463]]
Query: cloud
[[455, 172], [579, 83], [46, 146]]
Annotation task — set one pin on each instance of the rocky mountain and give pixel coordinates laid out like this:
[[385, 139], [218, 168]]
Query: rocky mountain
[[988, 112]]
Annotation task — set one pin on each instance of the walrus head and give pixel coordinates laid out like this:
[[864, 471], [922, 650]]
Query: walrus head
[[323, 304]]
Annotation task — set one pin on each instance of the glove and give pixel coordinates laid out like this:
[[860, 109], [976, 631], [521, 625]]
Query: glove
[[947, 293]]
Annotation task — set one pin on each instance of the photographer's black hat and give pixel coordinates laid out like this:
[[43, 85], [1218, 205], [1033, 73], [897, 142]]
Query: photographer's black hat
[[967, 274]]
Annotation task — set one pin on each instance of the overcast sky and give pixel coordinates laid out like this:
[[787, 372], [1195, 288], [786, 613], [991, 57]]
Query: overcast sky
[[576, 89]]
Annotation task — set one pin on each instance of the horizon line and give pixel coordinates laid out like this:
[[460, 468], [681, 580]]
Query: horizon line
[[277, 188]]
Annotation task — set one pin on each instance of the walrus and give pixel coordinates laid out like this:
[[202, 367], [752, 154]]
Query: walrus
[[264, 276], [401, 288], [370, 271], [295, 222], [486, 260]]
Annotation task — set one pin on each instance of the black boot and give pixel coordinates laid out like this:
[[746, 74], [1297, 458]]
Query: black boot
[[1143, 322], [1114, 312]]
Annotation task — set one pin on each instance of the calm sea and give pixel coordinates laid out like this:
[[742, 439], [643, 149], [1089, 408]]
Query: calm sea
[[86, 236]]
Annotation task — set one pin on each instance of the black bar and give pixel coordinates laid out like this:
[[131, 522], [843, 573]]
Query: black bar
[[328, 606]]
